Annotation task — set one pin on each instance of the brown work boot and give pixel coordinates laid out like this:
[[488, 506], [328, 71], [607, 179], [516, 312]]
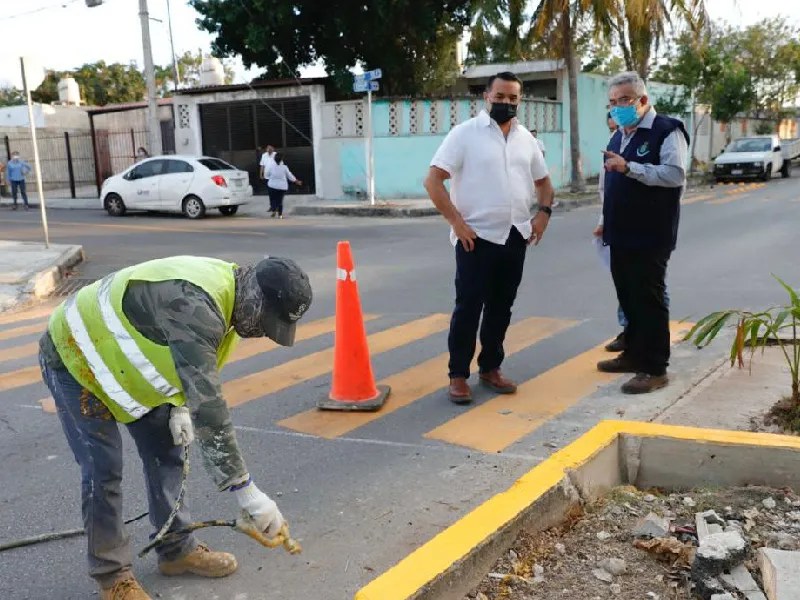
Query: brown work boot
[[459, 391], [124, 589], [617, 344], [620, 364], [643, 383], [495, 381], [201, 561]]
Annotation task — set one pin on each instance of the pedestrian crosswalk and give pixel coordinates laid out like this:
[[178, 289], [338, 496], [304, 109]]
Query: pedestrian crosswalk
[[492, 424]]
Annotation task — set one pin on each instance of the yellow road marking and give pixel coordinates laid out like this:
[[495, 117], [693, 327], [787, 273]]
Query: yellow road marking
[[257, 385], [417, 382], [505, 419], [29, 314], [48, 405], [24, 330], [165, 228], [16, 352], [693, 199], [20, 377]]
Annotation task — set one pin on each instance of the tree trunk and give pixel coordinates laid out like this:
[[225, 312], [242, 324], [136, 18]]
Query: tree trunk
[[577, 182]]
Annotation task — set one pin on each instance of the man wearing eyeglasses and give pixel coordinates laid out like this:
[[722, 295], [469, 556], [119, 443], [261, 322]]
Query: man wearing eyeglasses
[[645, 177]]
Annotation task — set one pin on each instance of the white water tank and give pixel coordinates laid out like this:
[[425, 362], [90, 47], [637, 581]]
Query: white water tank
[[212, 72], [69, 92]]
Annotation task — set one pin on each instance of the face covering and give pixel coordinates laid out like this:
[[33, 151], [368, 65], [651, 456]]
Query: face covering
[[625, 116], [502, 112]]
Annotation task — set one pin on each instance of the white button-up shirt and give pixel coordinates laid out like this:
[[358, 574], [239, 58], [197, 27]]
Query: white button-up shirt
[[492, 176]]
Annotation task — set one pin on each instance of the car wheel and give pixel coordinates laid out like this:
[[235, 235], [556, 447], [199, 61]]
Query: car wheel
[[228, 211], [114, 205], [193, 207], [767, 172], [786, 169]]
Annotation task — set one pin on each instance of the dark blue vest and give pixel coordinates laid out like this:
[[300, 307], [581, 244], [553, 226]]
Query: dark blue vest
[[638, 216]]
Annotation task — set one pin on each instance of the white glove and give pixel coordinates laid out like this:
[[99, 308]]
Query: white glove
[[180, 425], [261, 508]]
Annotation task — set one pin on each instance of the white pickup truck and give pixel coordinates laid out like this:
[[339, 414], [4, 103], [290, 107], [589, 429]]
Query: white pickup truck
[[756, 156]]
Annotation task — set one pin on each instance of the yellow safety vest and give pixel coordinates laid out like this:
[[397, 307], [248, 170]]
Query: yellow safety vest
[[129, 373]]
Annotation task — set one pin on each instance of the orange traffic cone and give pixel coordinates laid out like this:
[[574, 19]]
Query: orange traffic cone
[[353, 387]]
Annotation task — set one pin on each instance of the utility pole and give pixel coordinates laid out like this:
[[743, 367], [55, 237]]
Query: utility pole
[[175, 73], [153, 126], [37, 163]]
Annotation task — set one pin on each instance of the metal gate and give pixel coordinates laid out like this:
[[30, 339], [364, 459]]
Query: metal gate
[[233, 131]]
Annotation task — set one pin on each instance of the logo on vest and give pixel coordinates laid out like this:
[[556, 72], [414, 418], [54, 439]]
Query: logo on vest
[[643, 150]]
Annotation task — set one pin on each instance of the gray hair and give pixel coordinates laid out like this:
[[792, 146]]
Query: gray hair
[[629, 77]]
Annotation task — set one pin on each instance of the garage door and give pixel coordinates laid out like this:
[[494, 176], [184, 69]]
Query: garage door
[[233, 131]]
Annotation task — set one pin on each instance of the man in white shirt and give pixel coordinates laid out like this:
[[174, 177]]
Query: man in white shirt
[[539, 142], [494, 164]]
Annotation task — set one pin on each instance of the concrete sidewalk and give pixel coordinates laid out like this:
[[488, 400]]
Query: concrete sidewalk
[[29, 271]]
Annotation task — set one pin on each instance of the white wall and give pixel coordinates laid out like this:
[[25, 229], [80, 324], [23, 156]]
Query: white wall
[[44, 115]]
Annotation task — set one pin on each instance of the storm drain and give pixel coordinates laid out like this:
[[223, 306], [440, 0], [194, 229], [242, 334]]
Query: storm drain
[[70, 285]]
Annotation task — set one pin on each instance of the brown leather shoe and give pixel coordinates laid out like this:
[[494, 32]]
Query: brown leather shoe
[[617, 344], [495, 381], [125, 589], [201, 561], [643, 383], [620, 364], [459, 391]]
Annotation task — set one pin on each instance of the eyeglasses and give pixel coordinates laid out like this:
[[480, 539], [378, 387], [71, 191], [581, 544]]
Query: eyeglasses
[[623, 101]]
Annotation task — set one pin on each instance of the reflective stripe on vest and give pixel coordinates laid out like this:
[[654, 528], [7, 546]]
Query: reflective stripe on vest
[[147, 369], [105, 378]]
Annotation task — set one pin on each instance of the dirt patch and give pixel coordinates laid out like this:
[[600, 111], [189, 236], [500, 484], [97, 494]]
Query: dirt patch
[[595, 554]]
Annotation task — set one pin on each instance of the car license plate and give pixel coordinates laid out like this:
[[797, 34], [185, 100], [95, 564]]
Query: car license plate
[[238, 182], [737, 171]]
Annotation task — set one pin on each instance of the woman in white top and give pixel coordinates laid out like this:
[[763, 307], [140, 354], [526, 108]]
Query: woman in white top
[[278, 178]]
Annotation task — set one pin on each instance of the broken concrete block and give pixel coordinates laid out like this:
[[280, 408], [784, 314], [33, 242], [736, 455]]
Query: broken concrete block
[[780, 572], [615, 566], [725, 596], [708, 588], [651, 526], [741, 580], [717, 553]]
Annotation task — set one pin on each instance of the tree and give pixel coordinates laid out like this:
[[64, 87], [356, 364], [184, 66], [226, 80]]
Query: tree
[[396, 36], [730, 94], [100, 84], [11, 96]]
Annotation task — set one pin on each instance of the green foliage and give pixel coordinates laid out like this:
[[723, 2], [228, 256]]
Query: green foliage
[[10, 96], [731, 93], [99, 82], [776, 325], [410, 41], [765, 127], [675, 104]]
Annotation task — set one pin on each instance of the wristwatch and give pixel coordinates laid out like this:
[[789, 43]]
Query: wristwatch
[[546, 210]]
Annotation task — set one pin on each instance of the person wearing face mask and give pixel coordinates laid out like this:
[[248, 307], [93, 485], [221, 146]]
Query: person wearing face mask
[[495, 165], [144, 347], [16, 171], [643, 183], [141, 154]]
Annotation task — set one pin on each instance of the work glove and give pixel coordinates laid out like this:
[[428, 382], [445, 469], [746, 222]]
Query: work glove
[[261, 508], [180, 425]]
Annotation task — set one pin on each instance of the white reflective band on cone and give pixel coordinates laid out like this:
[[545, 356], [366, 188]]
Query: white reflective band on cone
[[99, 368], [127, 343], [341, 274]]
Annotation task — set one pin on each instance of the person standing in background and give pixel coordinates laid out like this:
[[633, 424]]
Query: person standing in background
[[539, 142], [265, 163], [278, 178], [16, 170]]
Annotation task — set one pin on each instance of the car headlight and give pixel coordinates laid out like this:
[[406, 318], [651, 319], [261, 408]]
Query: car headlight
[[759, 164]]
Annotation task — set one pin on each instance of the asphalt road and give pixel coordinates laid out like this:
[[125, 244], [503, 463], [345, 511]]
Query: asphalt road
[[362, 491]]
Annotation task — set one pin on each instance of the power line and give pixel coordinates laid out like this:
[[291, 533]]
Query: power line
[[62, 4]]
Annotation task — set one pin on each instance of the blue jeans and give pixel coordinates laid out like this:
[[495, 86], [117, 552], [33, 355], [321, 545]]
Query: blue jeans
[[95, 440], [18, 187], [623, 320]]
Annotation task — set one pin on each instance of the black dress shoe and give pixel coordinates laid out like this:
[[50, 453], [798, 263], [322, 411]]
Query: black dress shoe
[[617, 344]]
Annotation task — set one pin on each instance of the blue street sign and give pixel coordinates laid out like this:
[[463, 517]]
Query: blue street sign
[[368, 76], [363, 86]]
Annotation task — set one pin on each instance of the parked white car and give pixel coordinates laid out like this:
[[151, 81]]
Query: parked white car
[[183, 184], [755, 156]]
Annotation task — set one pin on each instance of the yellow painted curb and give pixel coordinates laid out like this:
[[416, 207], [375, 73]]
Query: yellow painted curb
[[432, 560]]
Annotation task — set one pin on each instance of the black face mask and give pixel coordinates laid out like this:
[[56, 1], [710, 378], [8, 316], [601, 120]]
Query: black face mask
[[503, 112]]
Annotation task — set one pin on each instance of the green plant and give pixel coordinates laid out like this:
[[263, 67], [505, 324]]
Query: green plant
[[760, 329], [765, 127]]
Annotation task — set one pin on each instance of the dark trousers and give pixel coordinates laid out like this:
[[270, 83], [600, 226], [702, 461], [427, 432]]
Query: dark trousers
[[486, 282], [276, 200], [18, 187], [639, 276], [94, 437]]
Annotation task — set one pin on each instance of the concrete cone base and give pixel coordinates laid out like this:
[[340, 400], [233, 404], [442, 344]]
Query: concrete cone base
[[370, 405]]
